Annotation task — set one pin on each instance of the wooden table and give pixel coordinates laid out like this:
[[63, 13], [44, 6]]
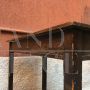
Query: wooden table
[[69, 41]]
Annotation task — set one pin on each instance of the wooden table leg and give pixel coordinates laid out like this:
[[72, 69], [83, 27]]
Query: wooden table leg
[[72, 72], [44, 73], [11, 64]]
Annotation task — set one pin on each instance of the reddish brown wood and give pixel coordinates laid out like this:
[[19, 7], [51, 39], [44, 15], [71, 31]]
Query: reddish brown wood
[[76, 43]]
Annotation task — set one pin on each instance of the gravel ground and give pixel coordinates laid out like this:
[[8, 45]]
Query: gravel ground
[[27, 74]]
